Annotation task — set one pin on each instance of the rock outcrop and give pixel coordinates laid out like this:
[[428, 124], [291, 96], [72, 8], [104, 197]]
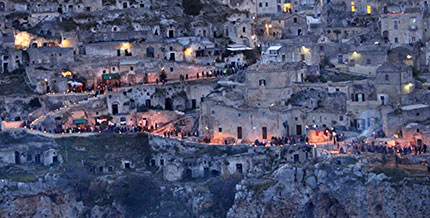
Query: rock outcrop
[[327, 190]]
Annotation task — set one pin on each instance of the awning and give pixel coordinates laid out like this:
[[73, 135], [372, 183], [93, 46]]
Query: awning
[[274, 48], [80, 121], [111, 76], [237, 47], [74, 83]]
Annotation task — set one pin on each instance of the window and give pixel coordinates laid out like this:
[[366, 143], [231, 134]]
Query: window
[[387, 77], [340, 59], [352, 6], [244, 29], [368, 61], [131, 68], [396, 40], [369, 9], [260, 4], [396, 24], [219, 129], [360, 98], [239, 132], [262, 82], [267, 4], [341, 118], [295, 20]]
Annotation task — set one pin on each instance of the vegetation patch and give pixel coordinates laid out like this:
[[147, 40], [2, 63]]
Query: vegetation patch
[[395, 174], [223, 190]]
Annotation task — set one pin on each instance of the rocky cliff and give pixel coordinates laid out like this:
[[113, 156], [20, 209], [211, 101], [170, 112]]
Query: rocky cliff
[[93, 181], [333, 189]]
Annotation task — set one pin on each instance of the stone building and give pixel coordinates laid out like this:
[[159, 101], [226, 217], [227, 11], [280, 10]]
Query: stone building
[[290, 52], [402, 26], [39, 155], [226, 117], [416, 133], [394, 122], [239, 30], [270, 84], [365, 59], [176, 96], [50, 55], [363, 105], [392, 81]]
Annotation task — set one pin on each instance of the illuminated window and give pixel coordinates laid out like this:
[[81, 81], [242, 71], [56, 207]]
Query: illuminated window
[[369, 9], [352, 6], [287, 7]]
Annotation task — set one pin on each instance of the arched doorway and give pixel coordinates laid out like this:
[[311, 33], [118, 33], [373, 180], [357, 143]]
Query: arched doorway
[[150, 52], [17, 157], [25, 58], [168, 104], [188, 174], [131, 79], [2, 6], [385, 35], [115, 108], [148, 103]]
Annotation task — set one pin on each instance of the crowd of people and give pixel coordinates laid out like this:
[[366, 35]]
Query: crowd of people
[[358, 148]]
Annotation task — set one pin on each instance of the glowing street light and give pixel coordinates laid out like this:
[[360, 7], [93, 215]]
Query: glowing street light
[[188, 51], [125, 45]]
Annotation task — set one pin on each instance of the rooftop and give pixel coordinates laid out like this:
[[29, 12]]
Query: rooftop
[[414, 107]]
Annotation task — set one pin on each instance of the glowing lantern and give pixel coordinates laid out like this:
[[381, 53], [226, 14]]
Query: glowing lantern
[[352, 6], [66, 74], [305, 50], [188, 51], [65, 44], [369, 9], [125, 45]]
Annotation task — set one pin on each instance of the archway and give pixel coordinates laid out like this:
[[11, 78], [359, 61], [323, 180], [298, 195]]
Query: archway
[[115, 108], [131, 79], [150, 52], [168, 104], [385, 35], [188, 174], [17, 157], [2, 6]]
